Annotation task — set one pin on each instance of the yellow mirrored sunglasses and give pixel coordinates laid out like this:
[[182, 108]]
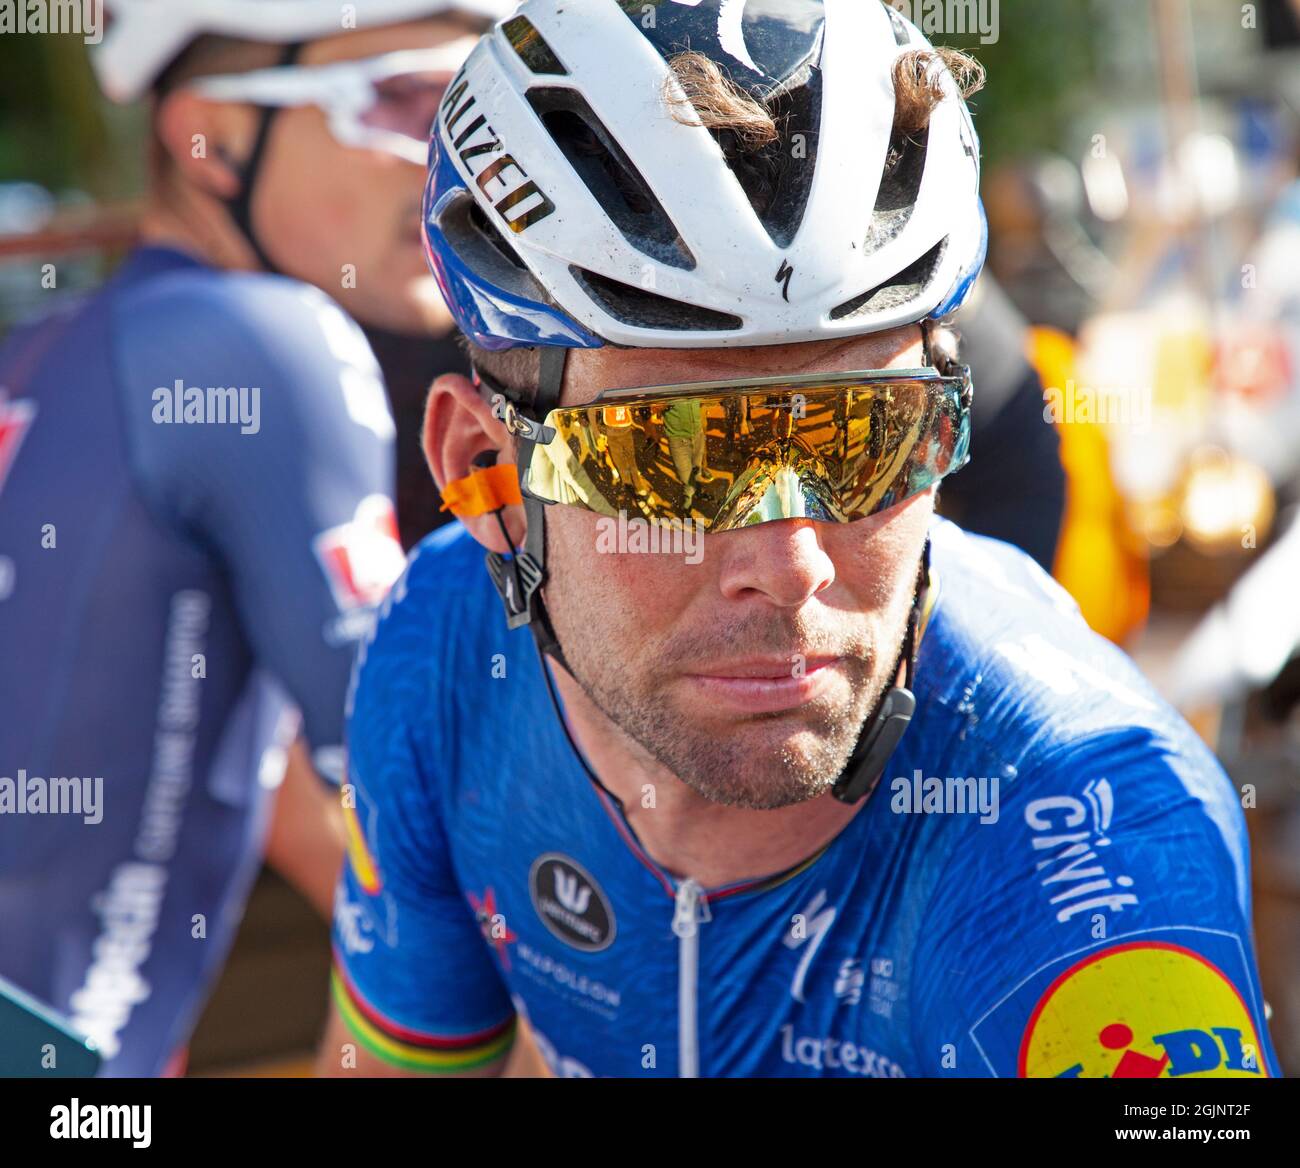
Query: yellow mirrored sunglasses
[[730, 454]]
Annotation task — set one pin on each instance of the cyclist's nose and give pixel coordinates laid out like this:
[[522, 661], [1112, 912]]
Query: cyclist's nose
[[783, 562]]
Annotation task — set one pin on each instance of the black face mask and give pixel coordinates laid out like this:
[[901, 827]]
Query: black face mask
[[410, 364]]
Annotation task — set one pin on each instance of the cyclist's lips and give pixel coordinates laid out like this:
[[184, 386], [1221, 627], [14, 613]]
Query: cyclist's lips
[[768, 685]]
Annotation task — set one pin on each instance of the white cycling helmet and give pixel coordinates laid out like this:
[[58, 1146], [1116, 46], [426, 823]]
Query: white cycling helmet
[[144, 36], [568, 206]]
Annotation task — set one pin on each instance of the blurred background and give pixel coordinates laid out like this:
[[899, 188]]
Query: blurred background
[[1141, 162]]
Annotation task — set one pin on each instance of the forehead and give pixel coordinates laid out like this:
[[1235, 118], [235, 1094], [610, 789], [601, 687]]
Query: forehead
[[591, 371], [392, 38]]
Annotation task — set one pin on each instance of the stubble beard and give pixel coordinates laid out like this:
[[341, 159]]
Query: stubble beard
[[742, 766]]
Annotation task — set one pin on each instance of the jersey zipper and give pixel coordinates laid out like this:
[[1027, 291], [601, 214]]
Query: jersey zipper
[[690, 910]]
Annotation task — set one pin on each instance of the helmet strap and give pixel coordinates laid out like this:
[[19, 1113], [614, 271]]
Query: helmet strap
[[885, 728], [240, 205], [520, 578]]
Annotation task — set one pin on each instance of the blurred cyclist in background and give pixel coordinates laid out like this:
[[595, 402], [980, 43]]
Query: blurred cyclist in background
[[197, 521], [1015, 490]]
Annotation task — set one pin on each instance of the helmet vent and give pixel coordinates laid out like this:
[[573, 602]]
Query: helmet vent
[[610, 176], [903, 288], [642, 309], [777, 178], [900, 187], [485, 227], [532, 47], [480, 245]]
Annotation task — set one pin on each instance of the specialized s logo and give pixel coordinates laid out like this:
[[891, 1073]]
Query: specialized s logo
[[570, 903], [783, 275], [1154, 1007], [809, 930], [518, 200]]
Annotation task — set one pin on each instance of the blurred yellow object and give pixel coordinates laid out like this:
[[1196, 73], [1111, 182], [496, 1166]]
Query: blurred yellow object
[[1228, 503], [1184, 367], [1099, 560]]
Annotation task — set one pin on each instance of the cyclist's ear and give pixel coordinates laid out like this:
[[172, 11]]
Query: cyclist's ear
[[459, 430], [203, 140]]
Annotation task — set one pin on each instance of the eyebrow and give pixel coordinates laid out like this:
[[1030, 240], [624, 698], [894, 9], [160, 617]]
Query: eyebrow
[[735, 372]]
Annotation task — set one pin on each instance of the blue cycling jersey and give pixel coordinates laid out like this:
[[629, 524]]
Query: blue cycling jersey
[[1087, 915], [195, 523]]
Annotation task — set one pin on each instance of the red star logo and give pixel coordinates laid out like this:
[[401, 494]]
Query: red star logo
[[15, 417], [493, 924], [362, 558]]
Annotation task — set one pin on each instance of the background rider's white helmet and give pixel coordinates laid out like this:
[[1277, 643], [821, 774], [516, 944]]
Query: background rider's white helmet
[[144, 36], [568, 206]]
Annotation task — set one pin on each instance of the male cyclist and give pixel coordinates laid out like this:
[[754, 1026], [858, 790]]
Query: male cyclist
[[831, 788], [197, 475]]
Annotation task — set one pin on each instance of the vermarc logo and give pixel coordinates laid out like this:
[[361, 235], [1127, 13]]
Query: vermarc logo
[[570, 903]]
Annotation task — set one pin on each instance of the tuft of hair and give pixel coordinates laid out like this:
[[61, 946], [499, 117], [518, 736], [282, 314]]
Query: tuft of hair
[[706, 96], [918, 84]]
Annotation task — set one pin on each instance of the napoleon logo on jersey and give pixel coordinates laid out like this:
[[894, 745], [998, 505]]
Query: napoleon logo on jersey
[[570, 903]]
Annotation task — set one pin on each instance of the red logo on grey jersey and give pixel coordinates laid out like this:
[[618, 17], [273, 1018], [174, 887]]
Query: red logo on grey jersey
[[15, 418]]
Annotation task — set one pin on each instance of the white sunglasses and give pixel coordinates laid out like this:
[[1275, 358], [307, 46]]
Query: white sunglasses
[[385, 103]]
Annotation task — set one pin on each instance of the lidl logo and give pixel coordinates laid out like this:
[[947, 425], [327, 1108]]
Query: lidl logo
[[1144, 1010]]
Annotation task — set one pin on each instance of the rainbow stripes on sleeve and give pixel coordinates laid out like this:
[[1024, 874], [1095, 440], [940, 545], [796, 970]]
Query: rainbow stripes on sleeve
[[412, 1049]]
